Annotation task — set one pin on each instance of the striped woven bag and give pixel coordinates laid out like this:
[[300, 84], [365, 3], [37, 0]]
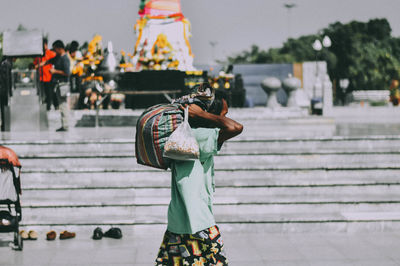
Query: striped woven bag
[[153, 128]]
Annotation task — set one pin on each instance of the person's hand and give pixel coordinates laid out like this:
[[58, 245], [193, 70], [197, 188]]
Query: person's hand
[[224, 110], [52, 70], [195, 111]]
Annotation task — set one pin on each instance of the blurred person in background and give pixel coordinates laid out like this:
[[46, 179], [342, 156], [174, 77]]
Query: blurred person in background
[[61, 73], [45, 75], [60, 79], [76, 67]]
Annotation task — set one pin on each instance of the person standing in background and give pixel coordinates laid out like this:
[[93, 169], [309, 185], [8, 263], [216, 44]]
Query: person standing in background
[[61, 73], [76, 67], [45, 76], [60, 79]]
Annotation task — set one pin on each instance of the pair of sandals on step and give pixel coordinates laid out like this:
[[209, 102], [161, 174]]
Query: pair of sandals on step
[[113, 232]]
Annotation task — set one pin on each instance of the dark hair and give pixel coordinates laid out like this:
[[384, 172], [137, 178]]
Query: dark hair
[[74, 46], [217, 105], [58, 44], [45, 41]]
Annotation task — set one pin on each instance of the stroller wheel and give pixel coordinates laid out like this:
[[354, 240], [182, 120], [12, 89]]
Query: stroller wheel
[[18, 242]]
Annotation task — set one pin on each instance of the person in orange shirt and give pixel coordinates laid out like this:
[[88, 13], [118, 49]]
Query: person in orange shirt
[[45, 75]]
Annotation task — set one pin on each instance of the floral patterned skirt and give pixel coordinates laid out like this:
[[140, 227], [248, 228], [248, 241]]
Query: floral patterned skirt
[[202, 248]]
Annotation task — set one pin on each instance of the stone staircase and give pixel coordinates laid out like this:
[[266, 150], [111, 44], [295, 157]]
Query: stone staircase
[[268, 184]]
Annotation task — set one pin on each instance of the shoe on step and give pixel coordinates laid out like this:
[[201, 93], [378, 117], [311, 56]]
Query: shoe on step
[[32, 235], [51, 235], [62, 129], [66, 235], [97, 234], [24, 235], [113, 233]]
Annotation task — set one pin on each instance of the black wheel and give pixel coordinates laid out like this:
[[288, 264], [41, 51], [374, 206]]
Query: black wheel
[[18, 242]]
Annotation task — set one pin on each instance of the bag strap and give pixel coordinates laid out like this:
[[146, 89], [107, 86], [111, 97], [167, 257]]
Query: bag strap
[[186, 114]]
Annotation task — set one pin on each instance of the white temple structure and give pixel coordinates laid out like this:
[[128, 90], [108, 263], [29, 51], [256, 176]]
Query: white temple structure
[[162, 37]]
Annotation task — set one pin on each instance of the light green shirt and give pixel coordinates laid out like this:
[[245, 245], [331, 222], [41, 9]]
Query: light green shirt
[[192, 187]]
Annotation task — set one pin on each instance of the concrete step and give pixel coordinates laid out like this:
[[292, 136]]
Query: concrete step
[[86, 231], [88, 120], [293, 146], [290, 146], [237, 178], [74, 149], [238, 214], [256, 113], [260, 116], [257, 129], [234, 162], [223, 196]]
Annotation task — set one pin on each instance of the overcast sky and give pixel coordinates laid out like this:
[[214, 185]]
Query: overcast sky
[[235, 25]]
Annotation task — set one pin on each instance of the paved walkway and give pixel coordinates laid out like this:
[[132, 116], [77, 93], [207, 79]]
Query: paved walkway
[[243, 250]]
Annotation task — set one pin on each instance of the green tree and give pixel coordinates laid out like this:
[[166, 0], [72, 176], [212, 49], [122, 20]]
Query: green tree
[[365, 53], [373, 67]]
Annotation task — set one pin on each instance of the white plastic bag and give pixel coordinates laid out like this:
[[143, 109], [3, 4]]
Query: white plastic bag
[[182, 144]]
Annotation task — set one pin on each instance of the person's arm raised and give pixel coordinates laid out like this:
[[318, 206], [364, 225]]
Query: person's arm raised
[[229, 128], [59, 72]]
